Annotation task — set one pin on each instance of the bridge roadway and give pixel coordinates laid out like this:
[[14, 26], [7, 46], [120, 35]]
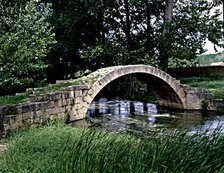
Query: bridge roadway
[[72, 103]]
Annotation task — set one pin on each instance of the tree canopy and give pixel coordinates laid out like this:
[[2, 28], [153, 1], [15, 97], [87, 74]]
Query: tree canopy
[[91, 34], [25, 40]]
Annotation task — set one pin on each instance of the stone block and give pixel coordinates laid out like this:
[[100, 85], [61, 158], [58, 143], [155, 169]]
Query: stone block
[[59, 103], [88, 99], [65, 95], [54, 96], [10, 119], [61, 115], [68, 108], [55, 110], [78, 93], [78, 106], [91, 92], [78, 100], [102, 82], [189, 90], [28, 107], [28, 115], [78, 87], [70, 101], [39, 113], [7, 110], [71, 94]]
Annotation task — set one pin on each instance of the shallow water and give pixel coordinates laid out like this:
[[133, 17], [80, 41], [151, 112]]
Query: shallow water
[[134, 116]]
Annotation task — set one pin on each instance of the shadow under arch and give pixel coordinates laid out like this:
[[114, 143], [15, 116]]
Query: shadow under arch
[[168, 91]]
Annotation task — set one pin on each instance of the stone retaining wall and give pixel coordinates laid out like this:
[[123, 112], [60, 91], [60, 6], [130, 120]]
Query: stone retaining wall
[[64, 104]]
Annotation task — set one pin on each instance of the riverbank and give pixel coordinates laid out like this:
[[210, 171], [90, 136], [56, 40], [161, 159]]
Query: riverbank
[[213, 83], [61, 148]]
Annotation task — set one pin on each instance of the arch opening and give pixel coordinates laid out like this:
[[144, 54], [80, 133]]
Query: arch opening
[[128, 87], [164, 92], [168, 91]]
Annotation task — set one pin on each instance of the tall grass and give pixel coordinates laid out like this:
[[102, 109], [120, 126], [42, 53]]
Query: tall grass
[[60, 148], [14, 99]]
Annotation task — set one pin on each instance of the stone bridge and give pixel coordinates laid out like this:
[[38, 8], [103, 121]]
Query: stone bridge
[[72, 102]]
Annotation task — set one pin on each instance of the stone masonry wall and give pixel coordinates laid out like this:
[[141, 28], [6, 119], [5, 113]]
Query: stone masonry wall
[[65, 104], [72, 103]]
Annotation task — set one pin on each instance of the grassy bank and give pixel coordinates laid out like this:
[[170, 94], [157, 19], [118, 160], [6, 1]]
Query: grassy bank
[[213, 83], [61, 148]]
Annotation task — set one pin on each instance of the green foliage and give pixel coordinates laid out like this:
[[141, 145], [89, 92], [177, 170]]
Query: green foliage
[[128, 87], [24, 45], [60, 148], [114, 54], [191, 25], [93, 34], [106, 33], [220, 110]]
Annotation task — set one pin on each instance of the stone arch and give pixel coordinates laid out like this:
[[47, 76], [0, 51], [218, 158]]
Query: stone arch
[[167, 89]]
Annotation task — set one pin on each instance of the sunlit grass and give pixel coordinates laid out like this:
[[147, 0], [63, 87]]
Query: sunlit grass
[[213, 83], [23, 97], [15, 99], [61, 148]]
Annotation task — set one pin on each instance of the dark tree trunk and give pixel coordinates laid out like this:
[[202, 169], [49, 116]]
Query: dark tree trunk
[[168, 14], [128, 25]]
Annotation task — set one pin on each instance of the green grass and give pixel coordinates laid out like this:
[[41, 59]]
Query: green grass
[[61, 148], [23, 97], [16, 99], [213, 83]]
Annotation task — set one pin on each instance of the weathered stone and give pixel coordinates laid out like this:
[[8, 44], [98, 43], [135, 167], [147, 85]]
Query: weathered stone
[[78, 87], [7, 110], [54, 111], [78, 100], [71, 94], [78, 93], [74, 101], [65, 95], [88, 99], [9, 118], [29, 107]]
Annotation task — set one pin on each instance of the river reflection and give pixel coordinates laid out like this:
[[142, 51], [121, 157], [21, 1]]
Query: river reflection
[[126, 115]]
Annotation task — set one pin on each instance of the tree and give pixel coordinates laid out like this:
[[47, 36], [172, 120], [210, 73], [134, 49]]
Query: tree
[[77, 24], [25, 40], [192, 23], [93, 34], [165, 44]]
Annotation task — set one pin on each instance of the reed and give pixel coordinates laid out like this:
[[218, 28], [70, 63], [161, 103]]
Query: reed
[[61, 148]]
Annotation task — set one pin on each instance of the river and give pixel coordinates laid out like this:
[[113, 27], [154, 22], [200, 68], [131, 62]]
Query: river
[[133, 116]]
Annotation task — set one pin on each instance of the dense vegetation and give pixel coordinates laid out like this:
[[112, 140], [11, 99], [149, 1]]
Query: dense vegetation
[[61, 148], [25, 40], [45, 40]]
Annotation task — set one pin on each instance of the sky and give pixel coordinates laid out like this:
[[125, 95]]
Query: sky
[[209, 46]]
